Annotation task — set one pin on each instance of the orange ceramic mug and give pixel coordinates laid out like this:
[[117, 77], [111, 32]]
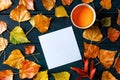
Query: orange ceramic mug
[[83, 16]]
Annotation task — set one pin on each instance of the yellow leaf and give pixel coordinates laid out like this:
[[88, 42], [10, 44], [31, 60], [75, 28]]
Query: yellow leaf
[[5, 4], [61, 75], [60, 12], [106, 4], [15, 59], [42, 75]]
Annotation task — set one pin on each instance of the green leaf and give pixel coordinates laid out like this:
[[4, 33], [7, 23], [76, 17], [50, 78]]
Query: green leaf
[[17, 36], [106, 22]]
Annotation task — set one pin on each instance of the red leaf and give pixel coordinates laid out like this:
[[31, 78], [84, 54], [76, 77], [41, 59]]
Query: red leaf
[[78, 70], [92, 65], [81, 77], [92, 72], [86, 65]]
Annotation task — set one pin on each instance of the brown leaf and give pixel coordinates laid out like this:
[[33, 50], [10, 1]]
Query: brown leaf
[[67, 2], [3, 26], [28, 3], [91, 51], [6, 75], [118, 18], [20, 14], [106, 57], [106, 4], [117, 66], [87, 1], [113, 34], [29, 49], [3, 43], [5, 4]]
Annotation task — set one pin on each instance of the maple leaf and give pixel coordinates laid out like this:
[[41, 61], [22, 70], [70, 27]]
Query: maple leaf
[[3, 26], [5, 4], [6, 75]]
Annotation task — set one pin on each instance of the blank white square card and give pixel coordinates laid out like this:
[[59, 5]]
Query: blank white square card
[[60, 47]]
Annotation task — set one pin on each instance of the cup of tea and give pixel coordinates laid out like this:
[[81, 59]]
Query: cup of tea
[[83, 16]]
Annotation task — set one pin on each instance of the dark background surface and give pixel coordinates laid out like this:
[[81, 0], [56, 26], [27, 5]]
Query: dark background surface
[[56, 24]]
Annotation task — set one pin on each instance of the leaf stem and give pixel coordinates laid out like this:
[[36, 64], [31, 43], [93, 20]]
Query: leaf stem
[[35, 58], [100, 11], [29, 30], [116, 59]]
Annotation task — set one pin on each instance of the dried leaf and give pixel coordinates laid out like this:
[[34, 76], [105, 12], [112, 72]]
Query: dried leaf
[[3, 26], [113, 34], [42, 75], [106, 4], [32, 22], [60, 12], [17, 36], [78, 70], [61, 75], [92, 72], [6, 75], [3, 43], [86, 62], [42, 22], [29, 49], [48, 4], [15, 59], [108, 76], [67, 2], [117, 66], [93, 34], [87, 1], [91, 51], [106, 22], [20, 14], [118, 18], [29, 4], [106, 57], [5, 4], [28, 69]]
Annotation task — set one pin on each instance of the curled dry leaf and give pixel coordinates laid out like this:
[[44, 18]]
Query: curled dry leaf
[[113, 34], [91, 51], [87, 1], [3, 26], [67, 2], [106, 22], [106, 4], [3, 43], [106, 57], [15, 59], [28, 3], [61, 75], [29, 49], [118, 18], [93, 34], [106, 75], [28, 69], [42, 22], [6, 75], [42, 75], [60, 12], [20, 14], [117, 66], [5, 4], [48, 4]]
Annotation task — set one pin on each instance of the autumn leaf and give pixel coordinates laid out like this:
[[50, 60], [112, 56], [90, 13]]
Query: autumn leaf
[[93, 33], [117, 66], [20, 14], [29, 49], [118, 18], [67, 2], [106, 57], [113, 34], [106, 4], [42, 75], [60, 12], [106, 22], [15, 58], [28, 69], [3, 43], [90, 50], [87, 1], [3, 26], [6, 75], [29, 4], [5, 4], [61, 75], [17, 36], [48, 4], [106, 75]]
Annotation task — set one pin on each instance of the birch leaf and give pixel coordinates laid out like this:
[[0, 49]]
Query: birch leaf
[[106, 4], [118, 18], [6, 75], [106, 22], [3, 43], [5, 4], [67, 2], [87, 1], [3, 26]]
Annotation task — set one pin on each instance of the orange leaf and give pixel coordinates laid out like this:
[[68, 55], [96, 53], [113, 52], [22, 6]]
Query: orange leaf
[[42, 22], [91, 51], [118, 19], [29, 49], [106, 4], [28, 3], [87, 1], [20, 14], [5, 4], [67, 2], [117, 66], [28, 69], [3, 26], [113, 34], [48, 4], [6, 75]]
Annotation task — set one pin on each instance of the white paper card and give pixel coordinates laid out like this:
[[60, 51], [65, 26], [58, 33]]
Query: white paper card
[[60, 47]]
